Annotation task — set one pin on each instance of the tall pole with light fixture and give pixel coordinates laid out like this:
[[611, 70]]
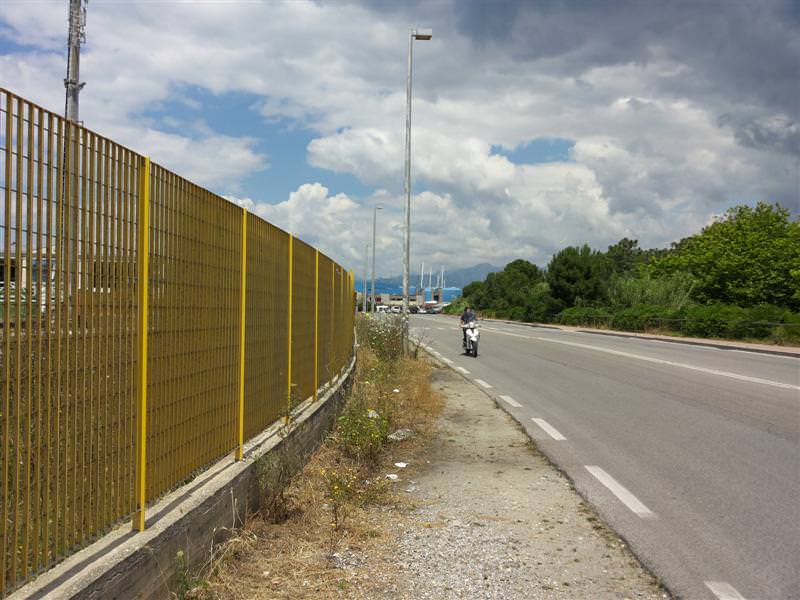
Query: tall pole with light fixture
[[414, 34]]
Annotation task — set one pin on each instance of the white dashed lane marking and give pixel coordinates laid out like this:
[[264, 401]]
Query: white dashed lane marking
[[510, 401], [622, 493], [447, 360], [549, 429], [463, 370], [482, 383], [724, 591]]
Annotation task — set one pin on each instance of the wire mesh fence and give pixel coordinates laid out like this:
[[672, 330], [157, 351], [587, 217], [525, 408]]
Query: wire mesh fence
[[92, 377]]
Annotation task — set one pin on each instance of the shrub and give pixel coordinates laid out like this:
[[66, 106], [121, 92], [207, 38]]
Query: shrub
[[643, 316], [716, 320], [789, 330], [383, 334], [361, 430], [584, 315], [456, 307], [670, 291]]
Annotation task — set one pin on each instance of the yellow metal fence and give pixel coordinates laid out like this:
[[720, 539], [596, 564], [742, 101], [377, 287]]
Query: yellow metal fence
[[149, 327]]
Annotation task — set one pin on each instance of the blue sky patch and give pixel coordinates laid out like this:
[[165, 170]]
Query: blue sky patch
[[192, 110], [539, 150]]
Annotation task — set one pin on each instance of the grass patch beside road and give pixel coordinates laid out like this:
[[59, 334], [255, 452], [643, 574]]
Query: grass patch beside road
[[335, 509]]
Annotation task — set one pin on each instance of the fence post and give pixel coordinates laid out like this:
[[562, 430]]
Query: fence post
[[142, 275], [242, 321], [316, 323], [289, 350], [332, 355]]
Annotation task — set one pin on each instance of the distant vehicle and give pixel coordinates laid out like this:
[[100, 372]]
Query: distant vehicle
[[471, 337], [396, 310], [382, 309], [421, 311], [413, 309]]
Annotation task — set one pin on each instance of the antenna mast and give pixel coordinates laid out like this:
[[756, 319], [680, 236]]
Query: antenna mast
[[77, 36]]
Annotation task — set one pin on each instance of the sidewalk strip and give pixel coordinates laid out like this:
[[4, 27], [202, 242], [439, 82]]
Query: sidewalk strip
[[509, 400], [621, 492], [463, 370], [724, 591], [482, 383], [549, 429]]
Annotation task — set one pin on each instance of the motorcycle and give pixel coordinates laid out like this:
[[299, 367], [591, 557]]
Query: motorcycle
[[472, 336]]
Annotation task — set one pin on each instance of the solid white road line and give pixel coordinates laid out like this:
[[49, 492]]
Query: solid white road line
[[511, 401], [724, 591], [621, 492], [463, 370], [447, 360], [549, 429], [482, 383], [659, 361]]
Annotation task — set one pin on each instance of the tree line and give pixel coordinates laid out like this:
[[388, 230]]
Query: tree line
[[738, 277]]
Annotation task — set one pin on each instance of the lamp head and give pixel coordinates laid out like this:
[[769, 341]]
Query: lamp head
[[424, 33]]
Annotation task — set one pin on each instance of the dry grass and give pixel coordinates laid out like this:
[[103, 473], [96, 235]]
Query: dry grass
[[309, 555]]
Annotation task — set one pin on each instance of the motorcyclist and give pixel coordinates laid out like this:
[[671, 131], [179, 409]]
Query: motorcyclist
[[468, 316]]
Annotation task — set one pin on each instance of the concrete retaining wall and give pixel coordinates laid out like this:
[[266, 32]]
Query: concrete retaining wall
[[193, 519]]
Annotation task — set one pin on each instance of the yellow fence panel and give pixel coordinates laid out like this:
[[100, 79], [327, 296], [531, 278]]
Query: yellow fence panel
[[325, 367], [267, 325], [193, 358], [303, 296], [68, 333]]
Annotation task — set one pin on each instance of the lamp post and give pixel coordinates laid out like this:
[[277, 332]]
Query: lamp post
[[364, 288], [414, 34], [374, 220]]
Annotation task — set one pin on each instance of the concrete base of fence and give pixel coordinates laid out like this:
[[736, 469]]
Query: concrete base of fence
[[193, 519]]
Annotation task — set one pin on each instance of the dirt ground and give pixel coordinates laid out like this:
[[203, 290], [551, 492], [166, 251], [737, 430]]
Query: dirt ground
[[476, 513]]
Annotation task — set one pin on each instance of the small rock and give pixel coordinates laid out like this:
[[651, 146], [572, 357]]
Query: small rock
[[400, 435], [391, 476], [400, 465]]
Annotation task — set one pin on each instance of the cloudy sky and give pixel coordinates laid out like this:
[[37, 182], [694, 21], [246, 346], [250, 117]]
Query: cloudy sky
[[537, 125]]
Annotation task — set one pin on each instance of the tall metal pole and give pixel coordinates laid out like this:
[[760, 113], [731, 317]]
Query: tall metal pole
[[374, 220], [77, 36], [364, 287], [421, 287], [423, 34], [407, 174], [73, 85]]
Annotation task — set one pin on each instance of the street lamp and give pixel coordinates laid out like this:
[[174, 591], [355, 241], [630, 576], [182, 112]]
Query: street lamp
[[414, 34], [374, 220]]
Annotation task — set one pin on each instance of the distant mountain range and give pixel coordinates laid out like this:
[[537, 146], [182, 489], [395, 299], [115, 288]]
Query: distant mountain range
[[454, 278]]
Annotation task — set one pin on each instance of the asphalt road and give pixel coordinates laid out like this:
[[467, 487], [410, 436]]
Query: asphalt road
[[690, 453]]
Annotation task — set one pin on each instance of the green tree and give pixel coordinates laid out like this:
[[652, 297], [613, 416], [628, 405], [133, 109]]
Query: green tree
[[749, 256], [625, 255], [577, 275]]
